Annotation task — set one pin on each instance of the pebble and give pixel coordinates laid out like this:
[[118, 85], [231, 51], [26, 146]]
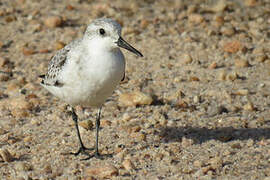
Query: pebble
[[53, 21], [242, 92], [127, 164], [44, 51], [102, 171], [59, 45], [194, 78], [23, 166], [134, 99], [144, 23], [27, 51], [219, 6], [6, 156], [20, 103], [228, 31], [105, 122], [232, 76], [233, 46], [4, 77], [213, 65], [86, 124], [195, 18], [10, 18], [249, 107], [250, 3], [197, 163], [186, 142], [261, 58], [3, 62], [222, 75], [216, 110], [69, 7], [186, 59], [240, 63], [47, 169], [215, 163]]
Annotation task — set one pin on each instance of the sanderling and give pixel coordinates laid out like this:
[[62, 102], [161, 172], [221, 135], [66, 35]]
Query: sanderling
[[86, 71]]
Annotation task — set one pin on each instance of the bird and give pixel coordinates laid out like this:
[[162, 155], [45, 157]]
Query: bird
[[86, 71]]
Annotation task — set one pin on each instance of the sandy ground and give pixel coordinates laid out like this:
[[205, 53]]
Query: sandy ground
[[205, 79]]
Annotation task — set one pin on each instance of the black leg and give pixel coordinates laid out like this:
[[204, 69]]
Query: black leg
[[82, 148], [97, 131]]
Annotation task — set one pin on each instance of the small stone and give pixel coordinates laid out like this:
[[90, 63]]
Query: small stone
[[59, 45], [233, 46], [127, 164], [250, 142], [197, 163], [236, 146], [222, 75], [13, 86], [218, 20], [23, 166], [261, 58], [206, 169], [27, 139], [215, 163], [182, 104], [6, 156], [228, 31], [4, 77], [86, 124], [212, 65], [232, 76], [240, 63], [144, 23], [47, 169], [10, 18], [187, 142], [102, 171], [186, 59], [250, 3], [126, 117], [138, 136], [69, 7], [3, 62], [219, 6], [249, 107], [2, 12], [196, 99], [105, 122], [242, 92], [27, 51], [43, 51], [20, 103], [216, 110], [195, 18], [19, 113], [134, 98], [53, 21], [194, 78]]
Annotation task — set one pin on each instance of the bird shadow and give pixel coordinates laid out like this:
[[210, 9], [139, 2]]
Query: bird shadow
[[223, 134]]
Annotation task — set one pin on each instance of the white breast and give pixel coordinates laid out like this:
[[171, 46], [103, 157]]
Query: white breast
[[89, 79]]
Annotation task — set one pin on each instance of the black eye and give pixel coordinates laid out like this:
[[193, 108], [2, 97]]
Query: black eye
[[101, 31]]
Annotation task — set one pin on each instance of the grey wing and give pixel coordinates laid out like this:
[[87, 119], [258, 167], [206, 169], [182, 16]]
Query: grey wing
[[56, 64]]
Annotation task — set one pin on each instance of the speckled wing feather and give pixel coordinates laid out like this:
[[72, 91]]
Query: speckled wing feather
[[56, 64]]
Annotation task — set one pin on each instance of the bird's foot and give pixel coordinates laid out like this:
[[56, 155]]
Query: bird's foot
[[82, 150]]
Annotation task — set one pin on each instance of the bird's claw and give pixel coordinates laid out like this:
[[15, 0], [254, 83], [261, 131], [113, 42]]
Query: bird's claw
[[82, 150]]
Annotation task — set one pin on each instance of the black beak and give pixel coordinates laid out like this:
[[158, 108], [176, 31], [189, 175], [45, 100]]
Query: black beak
[[122, 43]]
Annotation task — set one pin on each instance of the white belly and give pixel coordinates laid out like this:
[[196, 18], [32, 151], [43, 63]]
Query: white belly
[[89, 82]]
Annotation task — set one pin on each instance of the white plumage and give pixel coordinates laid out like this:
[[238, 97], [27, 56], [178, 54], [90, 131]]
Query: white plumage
[[87, 71]]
